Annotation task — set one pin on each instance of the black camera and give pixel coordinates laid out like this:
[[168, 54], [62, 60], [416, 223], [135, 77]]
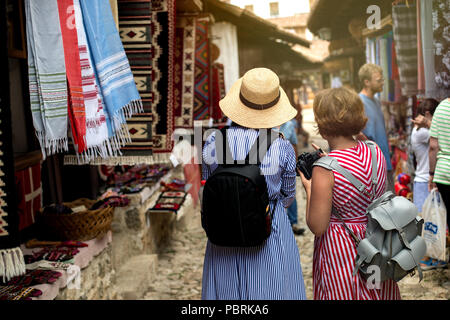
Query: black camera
[[305, 162]]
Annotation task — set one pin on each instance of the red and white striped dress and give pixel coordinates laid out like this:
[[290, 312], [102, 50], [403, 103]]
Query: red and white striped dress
[[334, 251]]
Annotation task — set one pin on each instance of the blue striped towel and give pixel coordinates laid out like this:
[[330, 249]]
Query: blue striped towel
[[112, 68]]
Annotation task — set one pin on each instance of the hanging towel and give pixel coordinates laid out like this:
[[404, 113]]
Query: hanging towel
[[96, 128], [112, 69], [76, 108], [405, 36], [47, 75]]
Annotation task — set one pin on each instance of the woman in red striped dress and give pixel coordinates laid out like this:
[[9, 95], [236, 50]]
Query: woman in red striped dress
[[339, 114]]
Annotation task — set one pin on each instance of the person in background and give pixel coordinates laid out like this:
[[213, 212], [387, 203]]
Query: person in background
[[420, 138], [339, 114], [290, 133], [371, 77], [439, 154]]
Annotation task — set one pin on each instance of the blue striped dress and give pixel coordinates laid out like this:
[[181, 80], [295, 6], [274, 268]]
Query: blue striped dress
[[271, 271]]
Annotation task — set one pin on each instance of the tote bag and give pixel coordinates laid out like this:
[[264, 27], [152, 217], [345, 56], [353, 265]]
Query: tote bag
[[435, 221]]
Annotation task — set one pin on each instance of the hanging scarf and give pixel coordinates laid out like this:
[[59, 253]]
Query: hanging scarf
[[47, 75], [96, 127], [77, 114], [112, 69]]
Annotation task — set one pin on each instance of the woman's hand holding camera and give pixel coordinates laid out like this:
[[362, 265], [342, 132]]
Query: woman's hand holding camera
[[306, 182]]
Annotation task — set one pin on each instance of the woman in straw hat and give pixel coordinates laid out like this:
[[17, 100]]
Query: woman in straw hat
[[339, 114], [272, 270]]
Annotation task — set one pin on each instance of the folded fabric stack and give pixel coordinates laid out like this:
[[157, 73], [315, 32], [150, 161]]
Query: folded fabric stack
[[82, 78], [170, 201], [134, 179], [18, 293]]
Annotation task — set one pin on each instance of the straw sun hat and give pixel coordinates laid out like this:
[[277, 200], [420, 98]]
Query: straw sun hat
[[257, 101]]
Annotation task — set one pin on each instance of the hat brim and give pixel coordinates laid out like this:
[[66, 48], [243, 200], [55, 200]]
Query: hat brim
[[232, 106]]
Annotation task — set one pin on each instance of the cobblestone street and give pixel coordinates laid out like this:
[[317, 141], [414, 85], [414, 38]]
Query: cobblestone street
[[179, 272]]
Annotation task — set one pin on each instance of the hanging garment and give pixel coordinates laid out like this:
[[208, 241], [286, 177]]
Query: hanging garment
[[405, 36], [224, 35], [420, 65], [441, 43], [76, 109], [112, 69], [96, 127], [426, 18], [47, 75]]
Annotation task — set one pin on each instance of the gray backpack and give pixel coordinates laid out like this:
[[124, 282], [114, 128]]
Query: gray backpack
[[393, 242]]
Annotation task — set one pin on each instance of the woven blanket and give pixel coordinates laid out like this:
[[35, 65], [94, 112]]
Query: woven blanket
[[11, 258], [163, 40], [47, 75], [202, 97], [135, 18], [185, 76], [405, 37], [441, 42]]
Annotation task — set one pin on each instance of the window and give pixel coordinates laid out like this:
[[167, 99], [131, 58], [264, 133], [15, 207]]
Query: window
[[249, 7], [274, 10]]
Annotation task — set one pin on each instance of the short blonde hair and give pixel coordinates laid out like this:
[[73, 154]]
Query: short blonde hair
[[366, 71], [339, 112]]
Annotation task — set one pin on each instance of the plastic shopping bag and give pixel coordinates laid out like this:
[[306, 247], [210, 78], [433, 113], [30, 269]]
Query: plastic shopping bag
[[434, 215]]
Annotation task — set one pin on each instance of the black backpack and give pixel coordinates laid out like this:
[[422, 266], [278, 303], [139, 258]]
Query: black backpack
[[235, 206]]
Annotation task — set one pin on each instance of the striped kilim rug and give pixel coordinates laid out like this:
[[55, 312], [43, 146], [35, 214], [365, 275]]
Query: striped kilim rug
[[163, 42], [135, 29], [184, 72], [202, 78]]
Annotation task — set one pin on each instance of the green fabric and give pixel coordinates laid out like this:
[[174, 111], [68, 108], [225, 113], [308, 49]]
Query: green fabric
[[440, 129]]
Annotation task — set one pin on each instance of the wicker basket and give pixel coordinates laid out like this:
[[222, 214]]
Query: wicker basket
[[78, 226]]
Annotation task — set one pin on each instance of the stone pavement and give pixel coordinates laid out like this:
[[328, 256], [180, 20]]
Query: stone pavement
[[179, 272]]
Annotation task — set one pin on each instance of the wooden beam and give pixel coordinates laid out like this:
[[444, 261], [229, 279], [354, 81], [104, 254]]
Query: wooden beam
[[189, 6]]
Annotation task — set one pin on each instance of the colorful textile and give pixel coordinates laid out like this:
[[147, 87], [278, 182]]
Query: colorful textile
[[441, 42], [35, 277], [96, 119], [47, 75], [218, 90], [29, 188], [185, 71], [405, 36], [135, 29], [77, 112], [114, 201], [172, 203], [18, 293], [202, 99], [11, 257], [163, 42], [112, 69]]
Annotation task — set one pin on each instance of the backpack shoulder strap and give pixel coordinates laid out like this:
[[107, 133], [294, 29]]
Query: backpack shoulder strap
[[373, 152], [331, 163]]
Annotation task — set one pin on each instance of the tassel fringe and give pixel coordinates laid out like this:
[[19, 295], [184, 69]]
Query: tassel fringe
[[162, 158], [12, 263]]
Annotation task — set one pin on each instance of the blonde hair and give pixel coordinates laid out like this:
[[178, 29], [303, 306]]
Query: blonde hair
[[339, 112], [366, 71]]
